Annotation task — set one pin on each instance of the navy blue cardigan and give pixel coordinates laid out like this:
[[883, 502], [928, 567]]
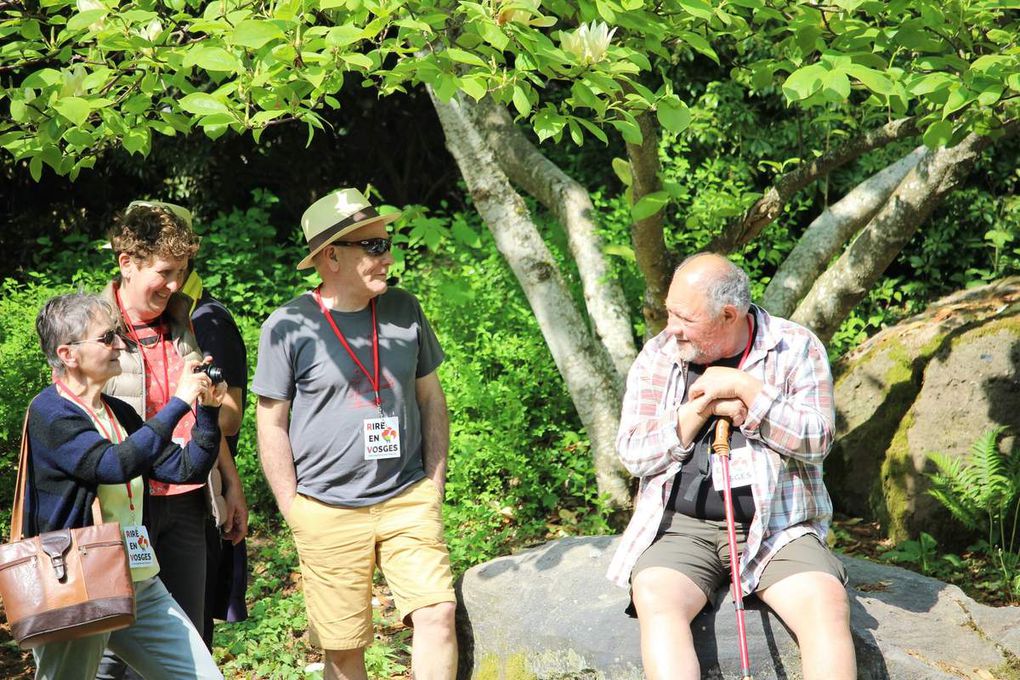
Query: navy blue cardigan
[[69, 458]]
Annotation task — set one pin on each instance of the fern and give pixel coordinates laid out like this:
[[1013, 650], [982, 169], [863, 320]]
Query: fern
[[983, 493]]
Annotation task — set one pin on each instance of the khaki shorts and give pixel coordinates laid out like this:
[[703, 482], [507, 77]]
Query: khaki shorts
[[340, 548], [699, 549]]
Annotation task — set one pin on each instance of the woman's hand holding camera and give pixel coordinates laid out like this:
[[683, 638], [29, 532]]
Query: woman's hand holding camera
[[195, 384]]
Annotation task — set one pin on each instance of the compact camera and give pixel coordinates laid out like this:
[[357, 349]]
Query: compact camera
[[214, 372]]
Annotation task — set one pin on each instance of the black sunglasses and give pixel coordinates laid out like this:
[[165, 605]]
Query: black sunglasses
[[372, 246], [109, 338]]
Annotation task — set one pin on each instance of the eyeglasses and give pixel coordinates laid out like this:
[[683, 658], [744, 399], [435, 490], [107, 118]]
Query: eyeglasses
[[109, 338], [372, 246]]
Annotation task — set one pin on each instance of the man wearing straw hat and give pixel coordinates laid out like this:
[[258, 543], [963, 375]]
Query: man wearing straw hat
[[721, 357], [353, 436]]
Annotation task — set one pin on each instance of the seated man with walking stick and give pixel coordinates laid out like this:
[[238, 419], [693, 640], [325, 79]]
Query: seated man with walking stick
[[722, 358]]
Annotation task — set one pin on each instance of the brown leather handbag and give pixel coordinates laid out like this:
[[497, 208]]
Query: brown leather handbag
[[63, 584]]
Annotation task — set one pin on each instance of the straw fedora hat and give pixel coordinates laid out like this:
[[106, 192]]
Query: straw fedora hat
[[336, 215]]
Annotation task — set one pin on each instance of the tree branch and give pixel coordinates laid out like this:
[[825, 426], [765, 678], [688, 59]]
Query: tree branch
[[570, 203], [769, 206], [649, 246], [588, 375], [825, 236], [848, 280]]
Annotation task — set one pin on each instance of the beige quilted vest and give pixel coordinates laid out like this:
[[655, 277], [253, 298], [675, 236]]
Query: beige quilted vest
[[129, 386]]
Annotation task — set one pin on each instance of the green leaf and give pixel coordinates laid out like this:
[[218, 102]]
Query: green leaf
[[697, 8], [804, 82], [605, 11], [938, 134], [83, 20], [649, 205], [79, 138], [138, 140], [585, 97], [625, 252], [254, 34], [673, 114], [359, 61], [263, 117], [836, 86], [493, 35], [594, 129], [872, 79], [212, 59], [700, 44], [623, 171], [75, 109], [628, 129], [345, 35], [202, 104], [35, 168], [473, 87], [521, 102], [548, 123], [931, 82], [465, 234], [44, 77], [959, 97], [464, 57]]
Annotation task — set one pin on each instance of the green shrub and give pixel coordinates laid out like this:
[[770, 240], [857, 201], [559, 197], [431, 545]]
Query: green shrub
[[23, 372]]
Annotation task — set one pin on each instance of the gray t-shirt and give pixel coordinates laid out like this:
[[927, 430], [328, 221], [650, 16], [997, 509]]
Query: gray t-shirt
[[301, 360]]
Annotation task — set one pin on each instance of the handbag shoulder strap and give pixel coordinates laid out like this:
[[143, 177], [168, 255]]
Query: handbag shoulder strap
[[17, 520], [17, 512]]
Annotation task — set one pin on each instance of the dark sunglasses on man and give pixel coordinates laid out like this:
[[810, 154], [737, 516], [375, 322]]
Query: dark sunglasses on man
[[109, 338], [372, 246]]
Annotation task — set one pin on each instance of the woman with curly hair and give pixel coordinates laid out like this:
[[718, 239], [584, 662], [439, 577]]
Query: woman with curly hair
[[153, 243]]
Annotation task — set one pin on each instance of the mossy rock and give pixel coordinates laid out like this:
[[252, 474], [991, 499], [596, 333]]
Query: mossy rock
[[934, 382]]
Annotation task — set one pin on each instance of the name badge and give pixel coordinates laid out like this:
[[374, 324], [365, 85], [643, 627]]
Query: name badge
[[139, 548], [382, 438], [741, 470]]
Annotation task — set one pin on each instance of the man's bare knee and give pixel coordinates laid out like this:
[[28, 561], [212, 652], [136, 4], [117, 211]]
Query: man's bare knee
[[658, 591], [436, 617]]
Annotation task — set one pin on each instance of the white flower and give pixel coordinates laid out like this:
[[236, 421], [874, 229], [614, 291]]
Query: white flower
[[73, 85], [589, 42], [152, 31], [88, 5]]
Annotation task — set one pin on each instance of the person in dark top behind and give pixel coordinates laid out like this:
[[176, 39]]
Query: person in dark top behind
[[219, 337]]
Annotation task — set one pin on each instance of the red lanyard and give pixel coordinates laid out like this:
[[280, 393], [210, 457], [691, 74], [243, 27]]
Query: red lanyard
[[95, 419], [165, 387], [373, 381], [750, 341]]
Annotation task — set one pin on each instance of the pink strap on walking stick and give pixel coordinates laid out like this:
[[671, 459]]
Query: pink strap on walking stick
[[721, 447]]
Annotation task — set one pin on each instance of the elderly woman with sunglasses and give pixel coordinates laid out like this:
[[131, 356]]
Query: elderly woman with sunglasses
[[86, 445]]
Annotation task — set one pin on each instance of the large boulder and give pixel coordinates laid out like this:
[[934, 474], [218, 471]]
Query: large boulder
[[934, 382], [550, 614]]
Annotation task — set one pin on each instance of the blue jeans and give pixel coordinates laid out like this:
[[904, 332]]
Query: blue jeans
[[162, 644]]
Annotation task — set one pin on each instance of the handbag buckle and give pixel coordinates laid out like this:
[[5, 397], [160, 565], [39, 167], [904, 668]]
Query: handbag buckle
[[56, 544]]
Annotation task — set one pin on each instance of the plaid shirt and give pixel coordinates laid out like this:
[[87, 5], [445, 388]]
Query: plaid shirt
[[789, 428]]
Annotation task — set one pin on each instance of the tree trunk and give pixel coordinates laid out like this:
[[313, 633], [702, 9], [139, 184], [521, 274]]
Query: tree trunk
[[825, 236], [846, 282], [586, 370], [649, 246], [529, 169]]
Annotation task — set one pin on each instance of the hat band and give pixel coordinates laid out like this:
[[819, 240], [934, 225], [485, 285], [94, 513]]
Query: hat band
[[327, 235]]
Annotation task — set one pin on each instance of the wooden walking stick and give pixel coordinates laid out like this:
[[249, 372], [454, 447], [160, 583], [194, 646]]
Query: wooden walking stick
[[721, 447]]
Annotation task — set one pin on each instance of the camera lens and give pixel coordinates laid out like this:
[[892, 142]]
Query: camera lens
[[215, 373]]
